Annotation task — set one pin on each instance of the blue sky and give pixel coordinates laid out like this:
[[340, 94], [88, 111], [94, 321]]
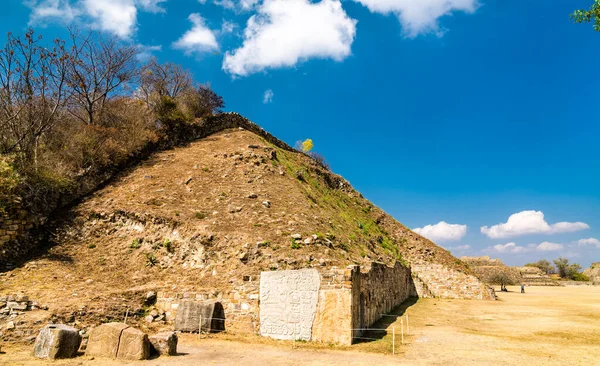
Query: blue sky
[[457, 111]]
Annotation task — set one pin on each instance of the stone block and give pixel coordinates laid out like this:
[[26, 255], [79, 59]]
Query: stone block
[[164, 343], [118, 340], [104, 340], [133, 345], [57, 341], [190, 313]]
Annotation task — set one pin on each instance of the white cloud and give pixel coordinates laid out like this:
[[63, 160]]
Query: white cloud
[[442, 231], [227, 4], [420, 16], [589, 241], [530, 222], [548, 247], [152, 6], [199, 39], [118, 17], [228, 27], [268, 98], [115, 16], [286, 32], [51, 9], [248, 4], [508, 248]]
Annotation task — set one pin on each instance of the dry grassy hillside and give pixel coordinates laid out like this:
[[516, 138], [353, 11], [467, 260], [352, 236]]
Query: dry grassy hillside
[[206, 215]]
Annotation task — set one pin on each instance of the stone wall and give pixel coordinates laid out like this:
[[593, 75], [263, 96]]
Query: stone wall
[[383, 288], [15, 223], [491, 274], [329, 305], [349, 300], [241, 304], [447, 283], [335, 316], [534, 276]]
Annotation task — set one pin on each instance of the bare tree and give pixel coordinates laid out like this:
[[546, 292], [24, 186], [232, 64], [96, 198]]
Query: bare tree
[[100, 68], [166, 80], [32, 93]]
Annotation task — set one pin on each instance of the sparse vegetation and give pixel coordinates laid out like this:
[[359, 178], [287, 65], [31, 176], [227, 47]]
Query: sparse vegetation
[[68, 112], [151, 260], [135, 244], [295, 244], [200, 215]]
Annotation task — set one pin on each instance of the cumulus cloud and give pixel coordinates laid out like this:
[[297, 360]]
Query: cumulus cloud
[[548, 247], [512, 247], [530, 222], [115, 16], [442, 231], [268, 97], [286, 32], [199, 39], [589, 241], [50, 10], [508, 248], [420, 16], [118, 17]]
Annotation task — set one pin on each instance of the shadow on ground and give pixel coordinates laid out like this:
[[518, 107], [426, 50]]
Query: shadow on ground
[[379, 329]]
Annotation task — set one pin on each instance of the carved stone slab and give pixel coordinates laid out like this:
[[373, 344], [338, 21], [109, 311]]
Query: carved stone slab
[[288, 303]]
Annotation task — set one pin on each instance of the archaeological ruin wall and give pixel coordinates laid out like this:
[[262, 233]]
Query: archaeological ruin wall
[[440, 281], [327, 305]]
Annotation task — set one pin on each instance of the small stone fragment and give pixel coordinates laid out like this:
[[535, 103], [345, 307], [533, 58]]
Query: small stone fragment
[[267, 204], [296, 236], [164, 343]]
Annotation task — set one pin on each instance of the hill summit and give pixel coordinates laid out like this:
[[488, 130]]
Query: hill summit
[[210, 216]]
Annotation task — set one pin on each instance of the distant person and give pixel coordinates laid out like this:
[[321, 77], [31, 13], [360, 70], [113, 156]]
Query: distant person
[[522, 288]]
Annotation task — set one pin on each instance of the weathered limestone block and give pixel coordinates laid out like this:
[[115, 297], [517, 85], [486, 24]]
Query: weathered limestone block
[[104, 340], [333, 321], [191, 313], [133, 345], [288, 303], [164, 343], [57, 341], [118, 340]]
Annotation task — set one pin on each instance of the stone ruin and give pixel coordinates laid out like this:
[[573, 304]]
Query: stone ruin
[[593, 273], [329, 305], [490, 269]]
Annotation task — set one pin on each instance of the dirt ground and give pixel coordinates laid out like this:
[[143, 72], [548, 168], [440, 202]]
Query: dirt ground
[[544, 326]]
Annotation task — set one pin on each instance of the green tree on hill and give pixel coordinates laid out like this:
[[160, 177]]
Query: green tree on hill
[[569, 271], [543, 265]]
